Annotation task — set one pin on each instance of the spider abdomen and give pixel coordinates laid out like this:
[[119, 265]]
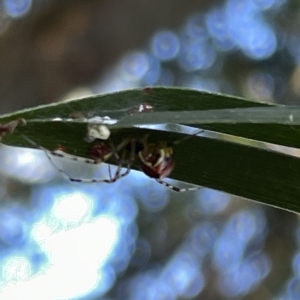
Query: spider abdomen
[[156, 162]]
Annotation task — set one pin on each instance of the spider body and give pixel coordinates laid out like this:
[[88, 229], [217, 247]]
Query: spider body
[[157, 161]]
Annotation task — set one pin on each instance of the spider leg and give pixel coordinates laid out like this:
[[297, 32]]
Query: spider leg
[[109, 171], [121, 161], [117, 157], [131, 159], [62, 154], [118, 171], [111, 179], [175, 188], [186, 137]]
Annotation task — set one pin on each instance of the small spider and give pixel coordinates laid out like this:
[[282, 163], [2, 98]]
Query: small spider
[[156, 160]]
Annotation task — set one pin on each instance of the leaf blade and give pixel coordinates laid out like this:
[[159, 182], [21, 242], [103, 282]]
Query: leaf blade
[[263, 175], [118, 104]]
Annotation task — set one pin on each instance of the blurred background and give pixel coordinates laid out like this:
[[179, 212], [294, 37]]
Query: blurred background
[[135, 239]]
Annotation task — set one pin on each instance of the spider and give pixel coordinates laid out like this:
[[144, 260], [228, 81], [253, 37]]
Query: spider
[[156, 160]]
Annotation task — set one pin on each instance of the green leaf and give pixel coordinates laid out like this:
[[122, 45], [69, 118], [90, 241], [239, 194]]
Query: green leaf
[[278, 125], [221, 113], [118, 105], [247, 171]]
